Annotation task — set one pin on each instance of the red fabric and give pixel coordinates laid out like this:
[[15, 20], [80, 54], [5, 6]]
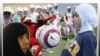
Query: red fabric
[[66, 18], [36, 53], [33, 41], [32, 27], [53, 17]]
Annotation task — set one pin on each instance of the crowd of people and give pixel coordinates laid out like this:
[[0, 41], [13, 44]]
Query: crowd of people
[[44, 11], [36, 16]]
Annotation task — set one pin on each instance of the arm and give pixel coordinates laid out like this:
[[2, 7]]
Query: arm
[[71, 49], [65, 53], [27, 20], [66, 20]]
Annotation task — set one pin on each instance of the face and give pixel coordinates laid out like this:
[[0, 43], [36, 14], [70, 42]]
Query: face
[[69, 9], [38, 10], [19, 13], [50, 8], [25, 13], [24, 43], [76, 20], [7, 15], [32, 9]]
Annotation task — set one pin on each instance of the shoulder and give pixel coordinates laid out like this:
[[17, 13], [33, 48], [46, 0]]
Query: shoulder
[[88, 36], [88, 33]]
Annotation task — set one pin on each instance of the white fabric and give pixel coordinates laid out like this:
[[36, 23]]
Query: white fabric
[[32, 6], [6, 21], [49, 6], [44, 7], [25, 9], [9, 9], [19, 9], [58, 18], [88, 17], [27, 18], [69, 15], [34, 17], [37, 7]]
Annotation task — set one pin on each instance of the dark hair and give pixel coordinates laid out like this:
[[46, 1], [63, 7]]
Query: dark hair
[[75, 14], [11, 32]]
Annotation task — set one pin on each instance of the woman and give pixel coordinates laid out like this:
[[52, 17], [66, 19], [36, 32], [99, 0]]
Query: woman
[[16, 40], [26, 12], [85, 43], [7, 16], [18, 15]]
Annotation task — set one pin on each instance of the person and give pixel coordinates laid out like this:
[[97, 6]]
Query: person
[[56, 12], [16, 40], [44, 11], [26, 12], [31, 9], [33, 26], [18, 14], [7, 15], [52, 12], [49, 8], [85, 43], [69, 23]]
